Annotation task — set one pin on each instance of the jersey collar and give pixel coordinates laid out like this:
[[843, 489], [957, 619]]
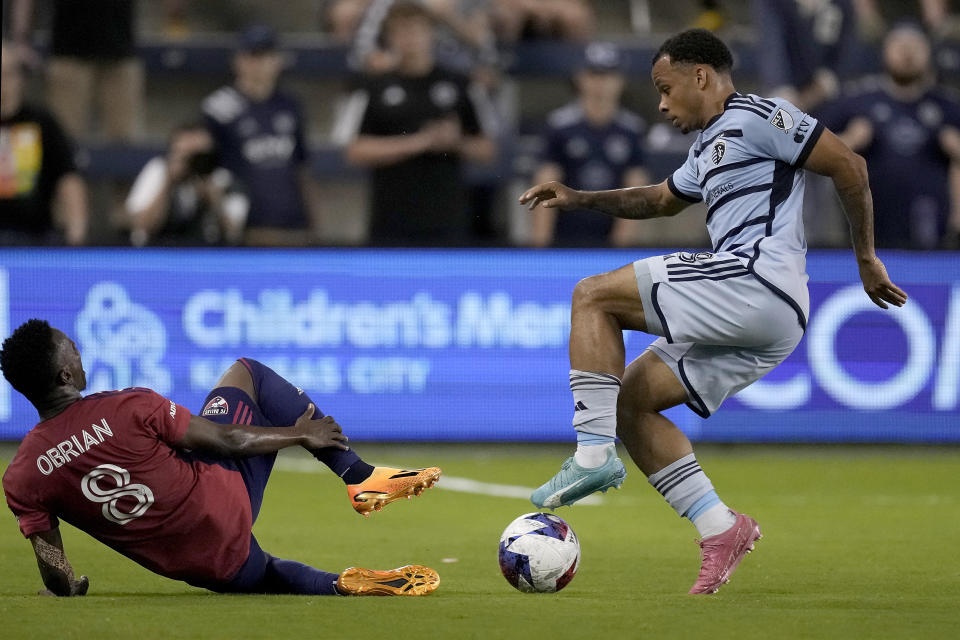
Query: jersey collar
[[715, 118]]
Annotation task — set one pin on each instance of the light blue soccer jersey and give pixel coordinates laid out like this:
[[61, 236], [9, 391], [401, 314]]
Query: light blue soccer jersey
[[747, 164]]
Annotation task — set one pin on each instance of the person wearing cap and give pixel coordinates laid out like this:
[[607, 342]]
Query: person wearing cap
[[593, 143], [908, 130], [413, 127], [258, 131]]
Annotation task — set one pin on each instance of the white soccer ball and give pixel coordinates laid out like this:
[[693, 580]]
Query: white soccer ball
[[539, 553]]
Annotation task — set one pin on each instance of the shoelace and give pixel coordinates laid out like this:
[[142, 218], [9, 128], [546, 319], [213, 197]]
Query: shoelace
[[565, 470]]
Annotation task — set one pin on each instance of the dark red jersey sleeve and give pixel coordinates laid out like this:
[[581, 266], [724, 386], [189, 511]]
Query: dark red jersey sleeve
[[166, 418], [26, 505]]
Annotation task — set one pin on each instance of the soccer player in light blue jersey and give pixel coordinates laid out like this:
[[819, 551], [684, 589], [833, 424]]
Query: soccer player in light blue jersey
[[726, 316]]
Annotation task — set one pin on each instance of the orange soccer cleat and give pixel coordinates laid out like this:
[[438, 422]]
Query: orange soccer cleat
[[411, 580], [387, 484]]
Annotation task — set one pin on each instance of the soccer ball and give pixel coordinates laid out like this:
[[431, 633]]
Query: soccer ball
[[539, 553]]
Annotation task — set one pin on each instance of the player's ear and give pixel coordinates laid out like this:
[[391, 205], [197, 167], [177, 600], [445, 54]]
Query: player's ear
[[64, 377], [701, 76]]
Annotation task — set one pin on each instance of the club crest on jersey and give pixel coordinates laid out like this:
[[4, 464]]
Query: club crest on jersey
[[719, 148], [782, 120], [216, 407]]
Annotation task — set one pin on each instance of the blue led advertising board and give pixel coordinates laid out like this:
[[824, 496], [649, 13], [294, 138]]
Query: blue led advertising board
[[470, 344]]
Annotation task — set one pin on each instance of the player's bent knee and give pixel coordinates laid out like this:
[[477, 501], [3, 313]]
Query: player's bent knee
[[614, 293], [238, 375], [596, 291], [585, 292]]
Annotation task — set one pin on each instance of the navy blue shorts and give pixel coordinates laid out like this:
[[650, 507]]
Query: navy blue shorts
[[230, 405]]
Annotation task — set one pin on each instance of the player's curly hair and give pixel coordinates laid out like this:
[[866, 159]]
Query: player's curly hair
[[28, 359], [696, 46]]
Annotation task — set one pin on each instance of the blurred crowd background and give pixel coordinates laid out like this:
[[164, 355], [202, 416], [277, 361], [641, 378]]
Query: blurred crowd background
[[400, 123]]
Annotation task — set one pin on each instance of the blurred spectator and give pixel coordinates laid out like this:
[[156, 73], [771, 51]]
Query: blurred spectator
[[37, 171], [516, 20], [412, 126], [342, 18], [592, 143], [464, 41], [805, 48], [185, 198], [712, 15], [875, 15], [907, 129], [92, 57], [175, 23], [258, 131]]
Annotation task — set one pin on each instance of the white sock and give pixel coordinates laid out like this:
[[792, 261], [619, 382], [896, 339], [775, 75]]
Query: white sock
[[591, 456], [689, 491], [714, 520], [594, 415]]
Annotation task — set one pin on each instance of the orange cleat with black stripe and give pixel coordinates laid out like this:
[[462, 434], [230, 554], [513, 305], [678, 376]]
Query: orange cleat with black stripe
[[387, 484], [411, 580]]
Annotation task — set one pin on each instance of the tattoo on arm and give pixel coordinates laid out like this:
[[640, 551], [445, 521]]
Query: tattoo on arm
[[858, 206], [56, 572], [633, 203]]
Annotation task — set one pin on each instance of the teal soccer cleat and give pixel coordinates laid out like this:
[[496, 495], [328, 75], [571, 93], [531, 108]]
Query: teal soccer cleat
[[573, 482]]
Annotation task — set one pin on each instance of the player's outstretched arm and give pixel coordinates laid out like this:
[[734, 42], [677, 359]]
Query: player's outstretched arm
[[632, 203], [848, 170], [56, 572], [240, 441]]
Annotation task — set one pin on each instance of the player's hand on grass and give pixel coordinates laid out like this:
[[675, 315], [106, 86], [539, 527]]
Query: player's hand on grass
[[552, 195], [322, 433], [878, 286], [77, 588]]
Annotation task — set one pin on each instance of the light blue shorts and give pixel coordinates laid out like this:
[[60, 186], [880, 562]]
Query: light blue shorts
[[722, 328]]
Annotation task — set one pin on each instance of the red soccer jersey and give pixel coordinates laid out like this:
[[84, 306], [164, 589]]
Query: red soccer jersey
[[107, 465]]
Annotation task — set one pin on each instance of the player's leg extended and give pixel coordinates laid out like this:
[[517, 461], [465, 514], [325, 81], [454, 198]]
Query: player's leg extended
[[263, 573], [369, 488], [664, 454], [603, 306]]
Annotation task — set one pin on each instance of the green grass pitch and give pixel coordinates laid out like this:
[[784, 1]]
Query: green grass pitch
[[859, 542]]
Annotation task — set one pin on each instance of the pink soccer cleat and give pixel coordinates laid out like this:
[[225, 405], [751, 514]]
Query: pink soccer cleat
[[720, 554]]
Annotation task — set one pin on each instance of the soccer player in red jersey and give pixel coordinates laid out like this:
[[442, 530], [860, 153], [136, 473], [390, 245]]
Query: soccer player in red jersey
[[178, 493]]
